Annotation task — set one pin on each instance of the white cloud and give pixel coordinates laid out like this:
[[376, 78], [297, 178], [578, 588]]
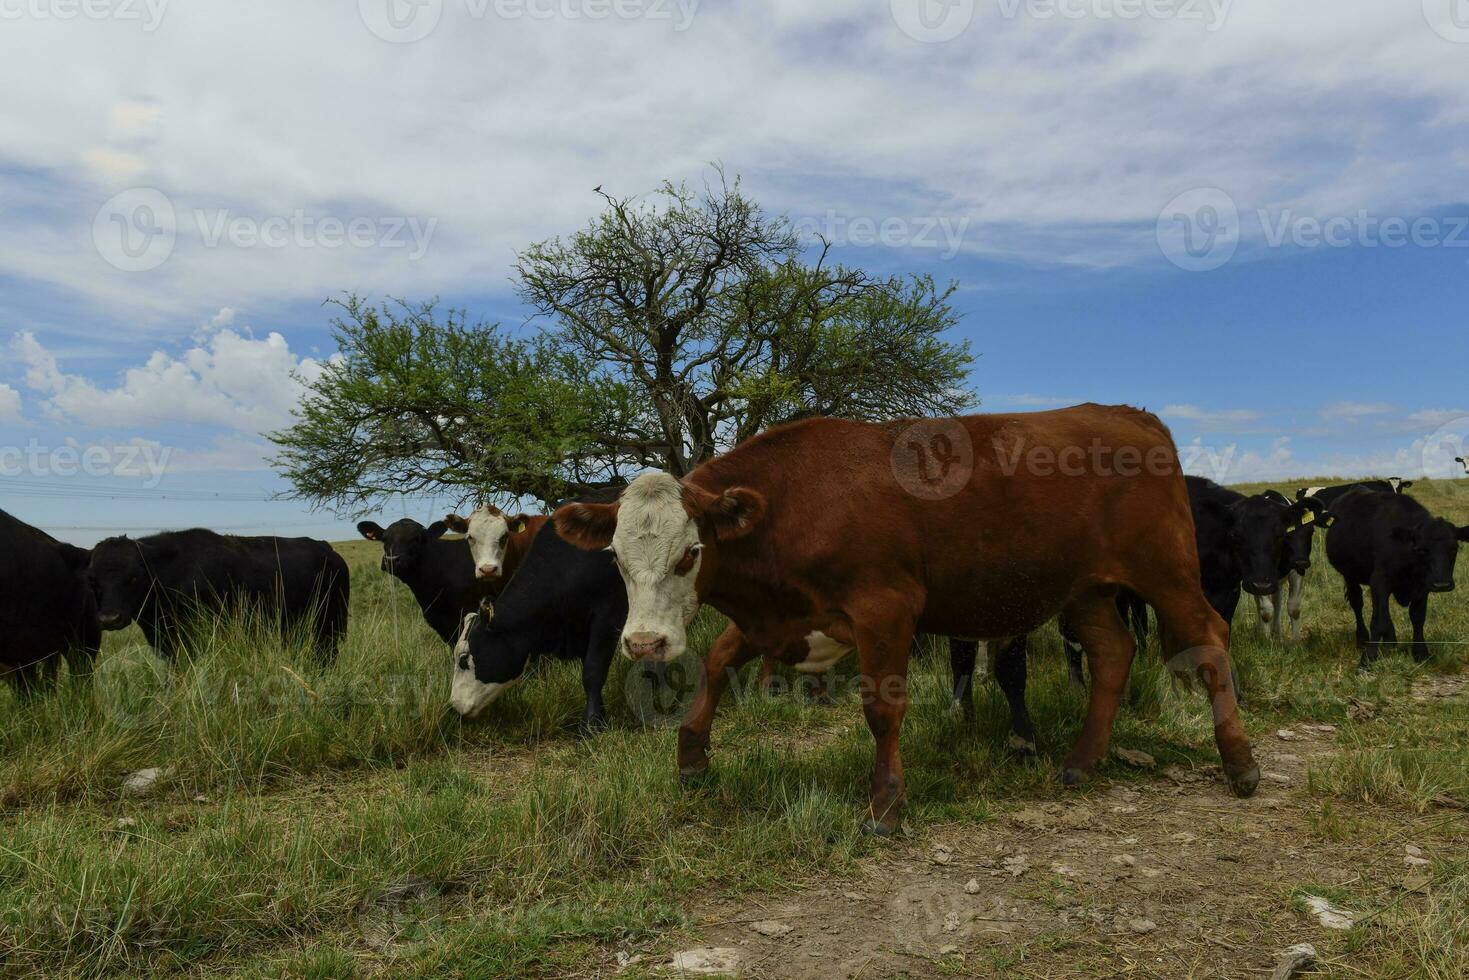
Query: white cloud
[[1218, 419], [1354, 411], [229, 380], [9, 405], [989, 128]]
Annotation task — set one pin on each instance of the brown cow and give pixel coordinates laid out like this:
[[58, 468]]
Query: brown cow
[[985, 526], [498, 543]]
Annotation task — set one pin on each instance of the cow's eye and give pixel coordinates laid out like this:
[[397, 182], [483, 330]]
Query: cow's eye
[[686, 563], [464, 662]]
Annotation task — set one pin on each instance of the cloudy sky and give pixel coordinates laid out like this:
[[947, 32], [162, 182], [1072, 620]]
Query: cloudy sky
[[1249, 216]]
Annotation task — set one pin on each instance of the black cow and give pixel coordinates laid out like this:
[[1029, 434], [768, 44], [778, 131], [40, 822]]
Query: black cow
[[46, 608], [1242, 541], [439, 573], [563, 602], [1393, 545], [1330, 495], [1464, 462], [165, 581]]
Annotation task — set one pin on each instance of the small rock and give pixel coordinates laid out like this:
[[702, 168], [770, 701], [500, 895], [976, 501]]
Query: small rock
[[971, 887], [141, 783], [1287, 757], [1064, 871], [1416, 862], [1329, 915], [941, 855], [1017, 865], [771, 928], [1277, 777], [948, 949], [1184, 838], [1136, 758], [1126, 860], [1142, 926], [1286, 735], [854, 896], [124, 823], [1289, 962], [1413, 850], [1362, 710], [708, 961]]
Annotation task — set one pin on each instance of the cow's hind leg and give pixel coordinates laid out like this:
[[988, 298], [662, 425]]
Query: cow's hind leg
[[1074, 652], [1196, 643], [1110, 647], [1355, 600], [963, 656], [1418, 613], [1010, 672], [727, 655]]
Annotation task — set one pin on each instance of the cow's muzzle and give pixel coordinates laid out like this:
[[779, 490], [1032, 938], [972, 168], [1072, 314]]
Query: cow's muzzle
[[646, 646], [1260, 587], [1441, 587], [487, 571], [111, 621]]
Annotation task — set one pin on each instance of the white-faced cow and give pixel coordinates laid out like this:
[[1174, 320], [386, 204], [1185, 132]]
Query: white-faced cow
[[165, 582], [46, 608], [984, 526], [562, 602], [497, 541], [1394, 546]]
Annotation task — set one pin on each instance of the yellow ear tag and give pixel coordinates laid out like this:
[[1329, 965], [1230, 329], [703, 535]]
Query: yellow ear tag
[[520, 528], [1308, 517]]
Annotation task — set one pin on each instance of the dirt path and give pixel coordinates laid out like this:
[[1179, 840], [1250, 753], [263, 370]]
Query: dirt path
[[1166, 877]]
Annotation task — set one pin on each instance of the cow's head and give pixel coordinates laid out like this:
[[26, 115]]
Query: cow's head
[[485, 666], [488, 531], [665, 536], [403, 542], [1266, 526], [121, 574], [1398, 484], [1464, 462], [1432, 547]]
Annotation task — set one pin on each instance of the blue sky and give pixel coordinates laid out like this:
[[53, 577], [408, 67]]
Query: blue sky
[[1250, 219]]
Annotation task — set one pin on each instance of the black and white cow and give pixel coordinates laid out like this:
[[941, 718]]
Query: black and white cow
[[1250, 543], [1464, 462], [46, 609], [164, 582], [439, 573], [1394, 546], [563, 602], [1329, 495]]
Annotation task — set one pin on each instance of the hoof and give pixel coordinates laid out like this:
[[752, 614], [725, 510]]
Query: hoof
[[876, 828], [1244, 784], [1075, 777], [692, 775]]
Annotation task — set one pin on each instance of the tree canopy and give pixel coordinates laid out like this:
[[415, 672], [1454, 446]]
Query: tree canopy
[[667, 331]]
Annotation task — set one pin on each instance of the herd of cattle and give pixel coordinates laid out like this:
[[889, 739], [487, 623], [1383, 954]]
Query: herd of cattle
[[808, 538]]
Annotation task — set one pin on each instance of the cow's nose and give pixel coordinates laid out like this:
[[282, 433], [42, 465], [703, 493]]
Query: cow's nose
[[642, 645], [1260, 586], [487, 571], [108, 620], [1442, 586]]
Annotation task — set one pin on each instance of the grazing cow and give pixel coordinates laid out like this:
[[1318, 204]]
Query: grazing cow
[[1251, 543], [165, 580], [1464, 462], [563, 601], [497, 541], [46, 609], [1393, 545], [1329, 495], [439, 573], [985, 526]]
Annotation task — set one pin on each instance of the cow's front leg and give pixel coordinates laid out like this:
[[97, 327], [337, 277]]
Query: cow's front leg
[[883, 628], [963, 656], [727, 655], [595, 666], [1418, 613], [1297, 593], [1383, 633]]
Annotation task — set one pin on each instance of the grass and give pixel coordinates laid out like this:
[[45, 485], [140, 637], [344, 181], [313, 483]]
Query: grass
[[338, 822]]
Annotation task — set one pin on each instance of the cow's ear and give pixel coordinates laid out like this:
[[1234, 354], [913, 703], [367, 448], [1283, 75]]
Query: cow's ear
[[731, 514], [1308, 512], [370, 530], [1403, 535], [456, 523], [1276, 496], [1404, 484], [588, 526], [436, 530], [518, 524]]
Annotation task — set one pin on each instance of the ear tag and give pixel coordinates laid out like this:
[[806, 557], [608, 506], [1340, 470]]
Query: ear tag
[[1308, 517], [520, 527], [1328, 520]]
